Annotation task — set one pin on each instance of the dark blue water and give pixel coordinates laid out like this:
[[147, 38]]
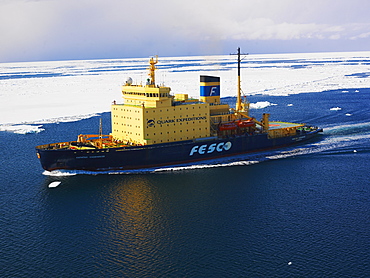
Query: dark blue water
[[297, 212]]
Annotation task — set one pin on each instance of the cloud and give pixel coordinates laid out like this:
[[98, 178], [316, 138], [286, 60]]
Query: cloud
[[69, 29], [361, 36]]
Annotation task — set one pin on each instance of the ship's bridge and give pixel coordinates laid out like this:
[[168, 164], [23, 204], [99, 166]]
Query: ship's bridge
[[148, 96]]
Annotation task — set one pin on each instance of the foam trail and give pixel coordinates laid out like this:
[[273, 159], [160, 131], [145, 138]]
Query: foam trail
[[207, 166], [58, 173], [348, 129]]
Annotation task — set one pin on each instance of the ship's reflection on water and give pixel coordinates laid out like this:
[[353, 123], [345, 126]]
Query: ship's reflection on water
[[133, 225]]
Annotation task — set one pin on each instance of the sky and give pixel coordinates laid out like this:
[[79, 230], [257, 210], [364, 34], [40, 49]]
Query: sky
[[48, 30]]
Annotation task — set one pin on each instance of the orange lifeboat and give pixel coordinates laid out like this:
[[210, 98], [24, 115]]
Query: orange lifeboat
[[227, 126], [247, 123]]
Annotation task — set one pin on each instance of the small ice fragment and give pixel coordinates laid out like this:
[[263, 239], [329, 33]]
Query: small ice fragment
[[290, 104], [348, 114], [335, 109], [261, 104], [54, 184], [354, 151], [289, 263]]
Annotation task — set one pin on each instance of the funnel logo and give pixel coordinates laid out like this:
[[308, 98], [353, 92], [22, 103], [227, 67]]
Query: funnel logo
[[150, 123], [214, 91]]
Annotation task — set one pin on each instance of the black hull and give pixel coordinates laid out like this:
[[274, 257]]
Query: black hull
[[128, 158]]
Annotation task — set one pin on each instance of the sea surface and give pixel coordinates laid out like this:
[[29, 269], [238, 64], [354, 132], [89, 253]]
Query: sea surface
[[302, 211]]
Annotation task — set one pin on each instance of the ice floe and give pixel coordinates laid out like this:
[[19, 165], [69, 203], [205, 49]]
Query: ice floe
[[261, 104], [22, 129], [54, 184], [38, 91], [335, 109]]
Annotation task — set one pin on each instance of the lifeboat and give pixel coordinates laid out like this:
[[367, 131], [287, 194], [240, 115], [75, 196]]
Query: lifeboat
[[246, 123], [227, 126]]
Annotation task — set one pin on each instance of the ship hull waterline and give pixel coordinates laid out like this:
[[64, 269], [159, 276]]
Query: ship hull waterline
[[152, 156]]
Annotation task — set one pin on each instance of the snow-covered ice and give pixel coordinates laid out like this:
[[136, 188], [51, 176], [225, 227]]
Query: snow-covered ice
[[22, 129], [40, 92]]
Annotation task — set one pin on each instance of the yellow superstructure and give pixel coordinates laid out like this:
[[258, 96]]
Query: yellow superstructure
[[150, 115]]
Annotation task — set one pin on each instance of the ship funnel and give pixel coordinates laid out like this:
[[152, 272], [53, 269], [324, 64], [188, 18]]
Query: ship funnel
[[210, 89]]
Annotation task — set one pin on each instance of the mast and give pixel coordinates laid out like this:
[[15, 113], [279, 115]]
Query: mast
[[100, 129], [152, 69], [240, 106], [238, 98]]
